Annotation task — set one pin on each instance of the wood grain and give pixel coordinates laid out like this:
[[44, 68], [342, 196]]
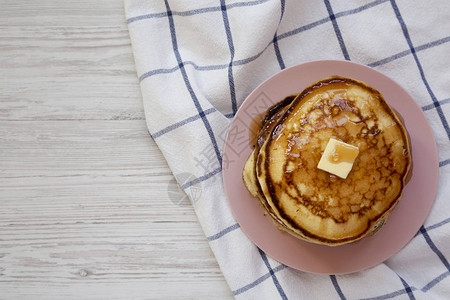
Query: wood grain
[[85, 211]]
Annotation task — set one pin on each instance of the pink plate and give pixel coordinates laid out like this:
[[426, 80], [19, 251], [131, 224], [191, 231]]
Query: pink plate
[[403, 223]]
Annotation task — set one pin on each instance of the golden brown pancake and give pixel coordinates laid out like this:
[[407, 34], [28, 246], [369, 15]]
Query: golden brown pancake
[[315, 205]]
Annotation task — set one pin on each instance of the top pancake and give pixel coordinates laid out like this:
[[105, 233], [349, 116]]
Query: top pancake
[[313, 204]]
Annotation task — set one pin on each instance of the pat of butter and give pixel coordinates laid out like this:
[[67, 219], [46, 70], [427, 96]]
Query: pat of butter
[[338, 158]]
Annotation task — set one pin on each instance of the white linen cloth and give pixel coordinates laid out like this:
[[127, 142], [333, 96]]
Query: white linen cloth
[[198, 60]]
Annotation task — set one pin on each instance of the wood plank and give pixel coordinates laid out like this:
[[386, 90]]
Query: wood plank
[[68, 73], [62, 13]]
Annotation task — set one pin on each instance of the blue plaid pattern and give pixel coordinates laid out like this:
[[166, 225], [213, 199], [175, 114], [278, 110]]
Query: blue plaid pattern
[[191, 93]]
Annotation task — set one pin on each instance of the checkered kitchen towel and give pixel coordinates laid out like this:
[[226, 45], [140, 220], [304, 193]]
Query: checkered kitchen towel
[[198, 60]]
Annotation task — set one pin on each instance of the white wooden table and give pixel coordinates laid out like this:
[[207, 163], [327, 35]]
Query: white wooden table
[[85, 211]]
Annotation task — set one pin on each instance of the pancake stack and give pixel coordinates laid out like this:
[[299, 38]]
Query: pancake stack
[[315, 205]]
